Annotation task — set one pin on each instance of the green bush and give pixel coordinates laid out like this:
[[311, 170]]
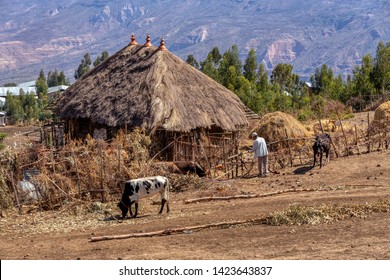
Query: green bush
[[305, 115]]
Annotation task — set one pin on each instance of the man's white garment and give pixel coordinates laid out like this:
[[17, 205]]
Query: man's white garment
[[260, 147]]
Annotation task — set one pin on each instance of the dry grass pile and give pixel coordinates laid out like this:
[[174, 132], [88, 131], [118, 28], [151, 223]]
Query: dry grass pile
[[2, 136], [81, 172], [382, 115], [286, 137], [379, 128], [73, 217], [5, 195], [330, 126], [278, 126], [312, 215], [7, 160], [87, 171], [187, 182]]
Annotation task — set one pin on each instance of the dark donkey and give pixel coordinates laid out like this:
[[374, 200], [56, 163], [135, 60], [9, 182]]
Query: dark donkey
[[322, 145]]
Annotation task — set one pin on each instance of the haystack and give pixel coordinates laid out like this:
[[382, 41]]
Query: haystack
[[278, 126], [382, 113]]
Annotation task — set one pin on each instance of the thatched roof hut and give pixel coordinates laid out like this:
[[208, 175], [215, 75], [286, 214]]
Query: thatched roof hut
[[149, 87]]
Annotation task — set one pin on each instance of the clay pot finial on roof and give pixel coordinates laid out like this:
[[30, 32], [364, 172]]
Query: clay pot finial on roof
[[162, 45], [148, 44], [133, 41]]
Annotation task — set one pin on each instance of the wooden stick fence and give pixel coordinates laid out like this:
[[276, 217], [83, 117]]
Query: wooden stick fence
[[215, 152]]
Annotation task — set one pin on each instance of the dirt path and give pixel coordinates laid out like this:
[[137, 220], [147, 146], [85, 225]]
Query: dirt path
[[356, 180]]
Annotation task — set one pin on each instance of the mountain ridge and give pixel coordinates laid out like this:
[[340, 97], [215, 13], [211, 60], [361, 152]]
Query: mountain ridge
[[52, 34]]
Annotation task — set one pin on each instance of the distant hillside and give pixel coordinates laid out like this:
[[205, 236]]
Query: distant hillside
[[53, 34]]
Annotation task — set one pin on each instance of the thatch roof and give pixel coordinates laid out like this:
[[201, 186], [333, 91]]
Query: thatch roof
[[151, 88]]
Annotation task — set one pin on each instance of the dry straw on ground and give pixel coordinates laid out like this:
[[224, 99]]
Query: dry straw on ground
[[312, 215], [82, 170]]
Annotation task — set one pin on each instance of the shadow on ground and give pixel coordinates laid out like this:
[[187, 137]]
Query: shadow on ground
[[303, 170]]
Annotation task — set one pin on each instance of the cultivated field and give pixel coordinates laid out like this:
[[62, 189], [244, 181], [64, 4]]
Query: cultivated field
[[344, 208]]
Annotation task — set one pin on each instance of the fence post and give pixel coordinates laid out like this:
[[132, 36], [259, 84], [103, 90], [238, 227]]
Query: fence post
[[77, 173], [242, 163], [104, 198], [119, 159], [357, 140], [289, 148], [342, 129], [368, 133], [232, 166], [386, 127], [125, 140], [174, 147], [195, 151], [53, 160], [380, 134], [322, 128], [16, 193]]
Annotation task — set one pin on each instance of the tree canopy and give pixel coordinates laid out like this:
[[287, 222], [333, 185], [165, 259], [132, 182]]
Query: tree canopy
[[85, 64], [264, 90]]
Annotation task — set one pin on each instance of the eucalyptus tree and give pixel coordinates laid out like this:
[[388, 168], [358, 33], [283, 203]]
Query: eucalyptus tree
[[231, 58], [381, 70], [250, 66], [100, 59], [282, 75], [363, 78], [192, 61], [262, 78], [83, 67]]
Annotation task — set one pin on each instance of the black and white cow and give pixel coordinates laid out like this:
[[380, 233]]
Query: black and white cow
[[142, 187], [322, 145]]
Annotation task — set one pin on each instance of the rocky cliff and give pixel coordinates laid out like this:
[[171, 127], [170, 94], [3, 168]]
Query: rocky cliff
[[53, 34]]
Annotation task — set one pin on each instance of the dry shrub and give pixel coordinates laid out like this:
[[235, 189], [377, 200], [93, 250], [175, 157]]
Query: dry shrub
[[89, 170], [186, 182], [5, 194], [312, 215], [333, 109], [7, 161], [2, 136]]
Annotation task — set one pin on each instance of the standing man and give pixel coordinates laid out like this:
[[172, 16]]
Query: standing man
[[261, 153]]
